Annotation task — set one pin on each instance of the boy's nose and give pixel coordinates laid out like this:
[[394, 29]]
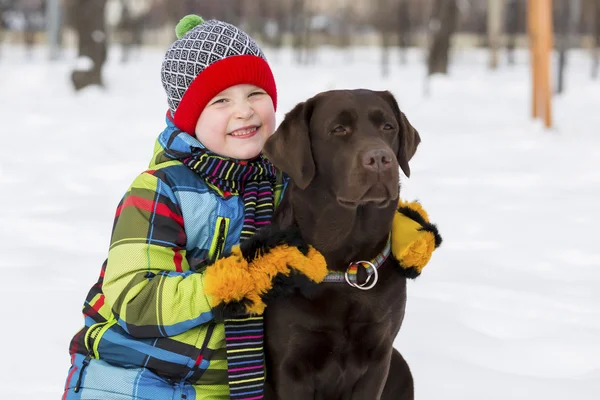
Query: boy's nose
[[244, 110]]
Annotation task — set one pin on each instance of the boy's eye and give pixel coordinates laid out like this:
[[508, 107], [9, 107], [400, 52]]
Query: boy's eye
[[256, 93], [220, 101]]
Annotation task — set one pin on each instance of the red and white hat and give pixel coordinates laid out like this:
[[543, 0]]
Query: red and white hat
[[207, 58]]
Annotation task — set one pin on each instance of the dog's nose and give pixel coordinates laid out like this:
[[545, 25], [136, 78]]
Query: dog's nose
[[377, 159]]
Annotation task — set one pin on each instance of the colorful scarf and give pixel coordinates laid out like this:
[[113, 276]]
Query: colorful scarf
[[254, 180]]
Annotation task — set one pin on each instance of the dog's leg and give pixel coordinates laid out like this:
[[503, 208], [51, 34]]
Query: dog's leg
[[371, 384], [399, 385], [289, 382], [269, 392]]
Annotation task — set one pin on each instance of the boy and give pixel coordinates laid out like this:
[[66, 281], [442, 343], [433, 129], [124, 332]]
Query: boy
[[150, 330]]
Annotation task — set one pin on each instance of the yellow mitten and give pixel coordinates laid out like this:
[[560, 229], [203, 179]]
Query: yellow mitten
[[414, 238], [271, 264], [282, 271], [228, 279]]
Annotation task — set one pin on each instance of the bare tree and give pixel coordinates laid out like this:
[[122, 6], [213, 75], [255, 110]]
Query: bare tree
[[252, 17], [277, 24], [561, 16], [443, 25], [298, 22], [31, 11], [301, 32], [596, 35], [385, 20], [4, 6], [346, 30], [495, 15], [126, 30], [565, 15], [404, 28], [382, 21], [231, 11], [512, 21], [88, 19]]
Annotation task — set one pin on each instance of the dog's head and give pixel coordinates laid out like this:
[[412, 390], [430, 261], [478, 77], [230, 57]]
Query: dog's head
[[350, 143]]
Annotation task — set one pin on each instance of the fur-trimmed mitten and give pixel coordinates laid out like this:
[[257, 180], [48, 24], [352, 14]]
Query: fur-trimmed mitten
[[271, 264], [414, 238]]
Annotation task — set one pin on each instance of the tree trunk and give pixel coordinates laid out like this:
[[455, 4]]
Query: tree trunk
[[345, 34], [298, 29], [280, 17], [1, 30], [404, 29], [89, 22], [566, 12], [54, 21], [562, 22], [230, 9], [444, 25], [385, 54], [495, 14], [29, 9], [512, 22], [125, 28], [596, 34], [309, 46]]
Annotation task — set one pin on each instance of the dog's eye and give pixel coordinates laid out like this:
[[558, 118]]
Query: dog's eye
[[387, 127], [339, 130]]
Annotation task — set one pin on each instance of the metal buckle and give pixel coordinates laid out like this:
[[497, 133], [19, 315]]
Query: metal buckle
[[363, 286]]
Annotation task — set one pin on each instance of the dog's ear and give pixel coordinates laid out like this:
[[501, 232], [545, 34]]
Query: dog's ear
[[289, 148], [409, 137]]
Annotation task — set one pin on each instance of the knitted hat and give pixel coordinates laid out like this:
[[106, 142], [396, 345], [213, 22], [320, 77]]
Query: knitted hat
[[207, 58]]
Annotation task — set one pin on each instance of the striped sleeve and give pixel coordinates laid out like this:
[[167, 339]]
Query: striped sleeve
[[147, 281]]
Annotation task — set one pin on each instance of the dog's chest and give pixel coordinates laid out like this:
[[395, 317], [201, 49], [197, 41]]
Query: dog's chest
[[339, 332]]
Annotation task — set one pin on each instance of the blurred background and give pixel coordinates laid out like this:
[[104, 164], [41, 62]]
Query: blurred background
[[509, 306], [435, 26]]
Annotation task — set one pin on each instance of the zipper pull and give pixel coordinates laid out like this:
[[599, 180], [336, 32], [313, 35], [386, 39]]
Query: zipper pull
[[84, 364]]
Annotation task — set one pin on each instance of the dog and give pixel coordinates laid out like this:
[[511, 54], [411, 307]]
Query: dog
[[342, 150]]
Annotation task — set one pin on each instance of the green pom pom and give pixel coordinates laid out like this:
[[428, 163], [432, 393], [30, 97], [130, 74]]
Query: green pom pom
[[187, 23]]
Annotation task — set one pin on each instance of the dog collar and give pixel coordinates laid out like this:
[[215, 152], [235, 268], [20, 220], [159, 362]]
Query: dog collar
[[350, 276]]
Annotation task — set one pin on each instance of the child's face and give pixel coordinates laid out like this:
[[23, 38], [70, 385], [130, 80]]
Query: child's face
[[237, 122]]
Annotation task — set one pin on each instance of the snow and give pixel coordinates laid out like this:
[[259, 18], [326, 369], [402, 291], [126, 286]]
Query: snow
[[509, 306]]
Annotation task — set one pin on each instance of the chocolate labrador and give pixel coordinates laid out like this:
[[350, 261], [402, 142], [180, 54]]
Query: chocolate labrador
[[343, 151]]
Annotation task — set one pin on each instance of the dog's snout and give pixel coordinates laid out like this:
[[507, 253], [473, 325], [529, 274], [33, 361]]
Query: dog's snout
[[377, 159]]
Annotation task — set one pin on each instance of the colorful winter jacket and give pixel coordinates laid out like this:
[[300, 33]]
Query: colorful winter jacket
[[148, 307]]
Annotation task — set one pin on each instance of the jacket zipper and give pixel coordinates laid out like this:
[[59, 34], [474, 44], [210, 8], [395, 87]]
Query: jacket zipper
[[94, 329], [84, 364], [91, 336], [220, 239]]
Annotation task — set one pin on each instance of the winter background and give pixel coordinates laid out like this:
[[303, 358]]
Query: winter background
[[509, 306]]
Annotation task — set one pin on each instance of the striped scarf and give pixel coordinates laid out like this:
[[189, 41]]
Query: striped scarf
[[244, 336], [253, 180]]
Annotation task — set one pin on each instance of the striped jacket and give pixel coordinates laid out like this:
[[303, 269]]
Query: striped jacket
[[148, 308]]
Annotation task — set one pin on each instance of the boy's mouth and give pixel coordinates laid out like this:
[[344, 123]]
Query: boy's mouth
[[245, 132]]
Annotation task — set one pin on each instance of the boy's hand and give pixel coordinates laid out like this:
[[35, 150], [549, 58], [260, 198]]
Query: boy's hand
[[414, 238], [269, 265]]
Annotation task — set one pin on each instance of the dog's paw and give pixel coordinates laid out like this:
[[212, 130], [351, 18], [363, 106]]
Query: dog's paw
[[231, 310], [296, 283], [268, 238]]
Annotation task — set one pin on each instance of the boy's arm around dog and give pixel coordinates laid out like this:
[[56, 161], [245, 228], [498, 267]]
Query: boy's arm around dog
[[148, 282]]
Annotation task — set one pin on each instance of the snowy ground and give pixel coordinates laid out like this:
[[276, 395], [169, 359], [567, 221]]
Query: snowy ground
[[509, 307]]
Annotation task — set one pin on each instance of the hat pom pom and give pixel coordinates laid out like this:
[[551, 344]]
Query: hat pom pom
[[187, 23]]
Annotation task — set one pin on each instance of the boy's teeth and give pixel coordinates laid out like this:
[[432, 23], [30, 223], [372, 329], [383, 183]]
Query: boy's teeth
[[243, 132]]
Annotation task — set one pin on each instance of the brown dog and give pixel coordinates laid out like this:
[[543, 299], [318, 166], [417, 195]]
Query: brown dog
[[342, 150]]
